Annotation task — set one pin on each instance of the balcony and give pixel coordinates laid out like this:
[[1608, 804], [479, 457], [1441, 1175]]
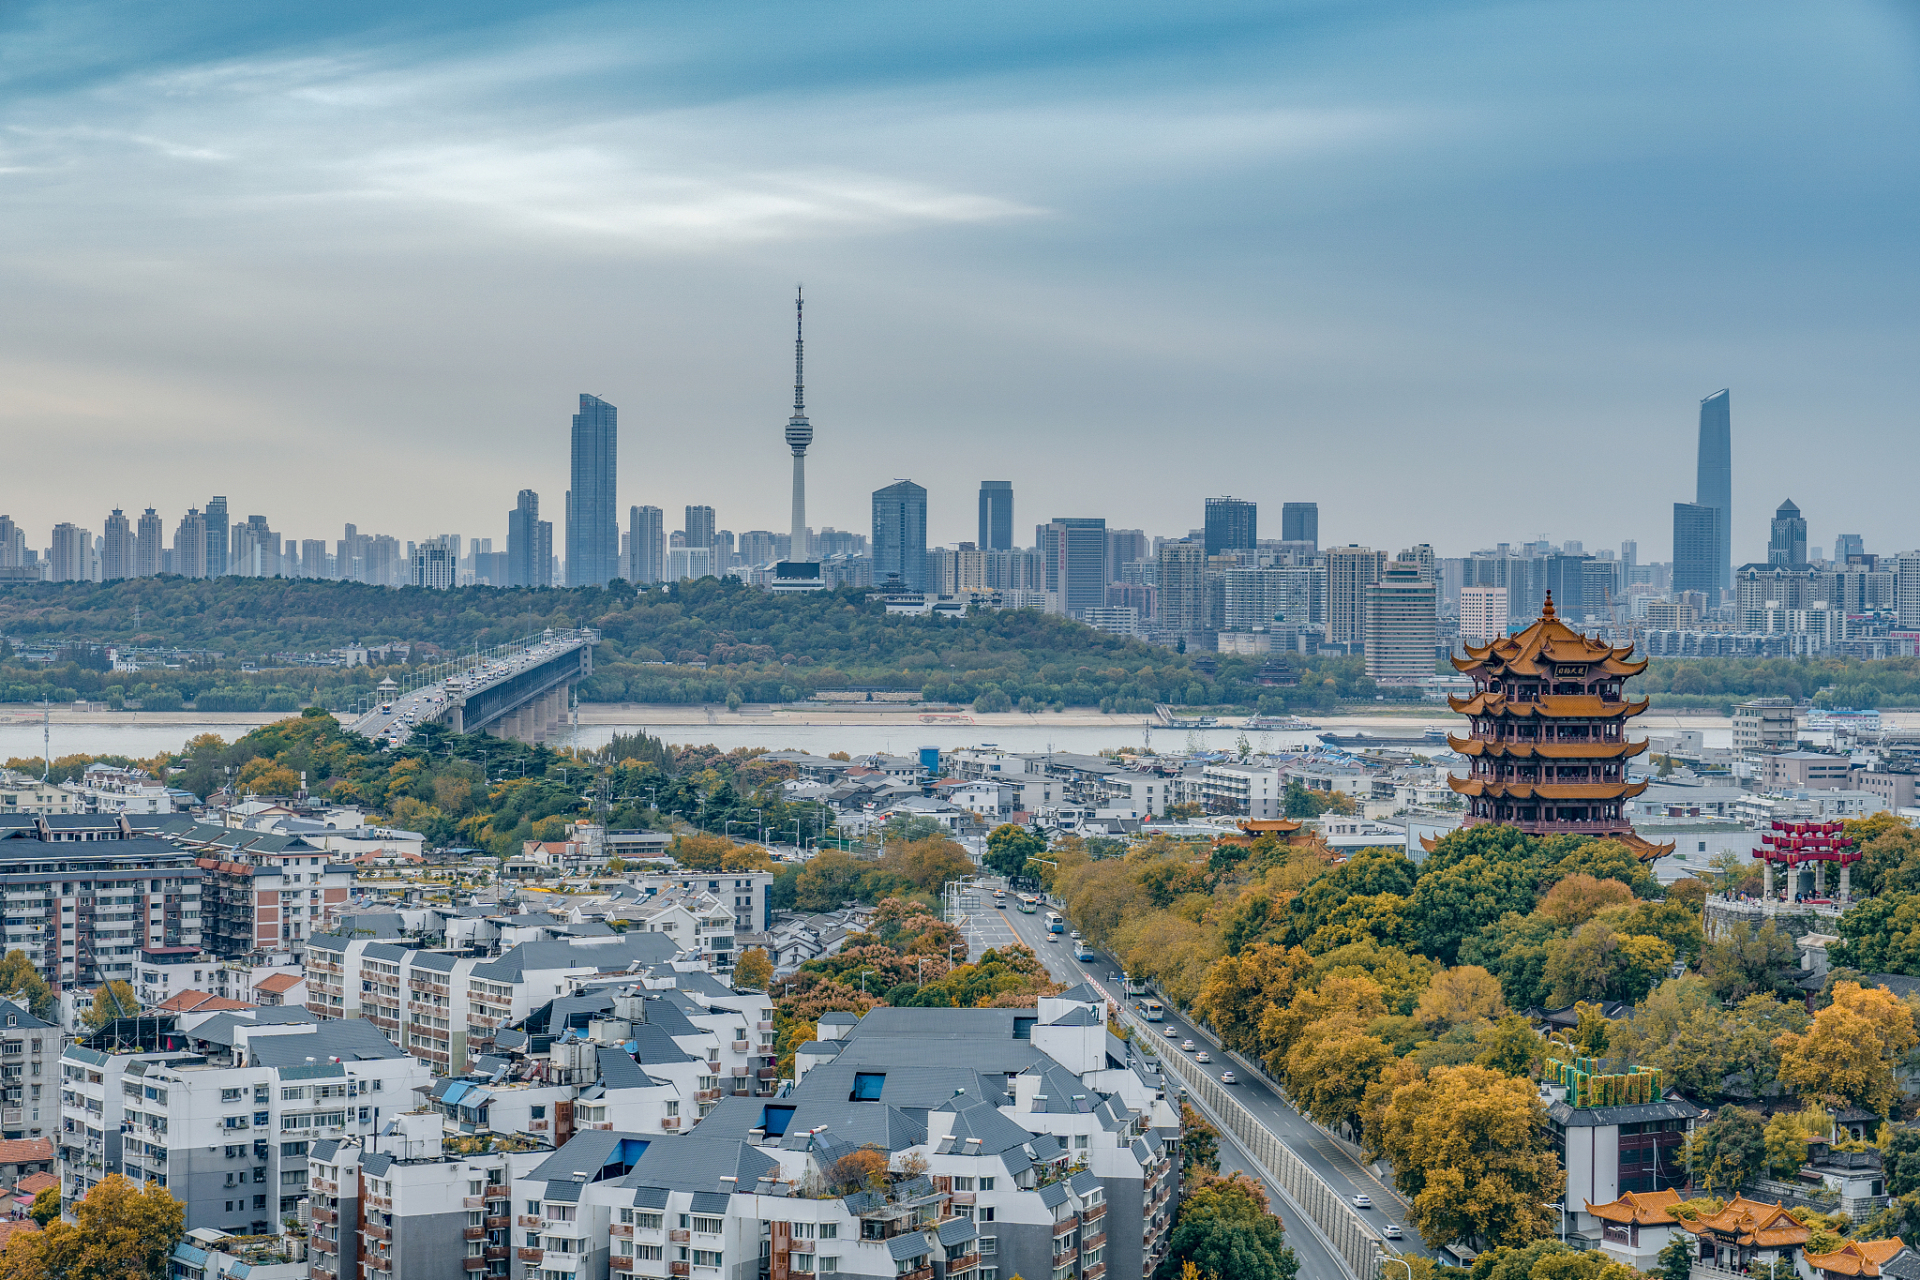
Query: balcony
[[1097, 1271], [474, 1264], [964, 1197], [374, 1231], [621, 1230], [1064, 1227], [384, 1203], [496, 1253], [741, 1046], [530, 1221], [706, 1095], [800, 1246], [620, 1263], [325, 1186], [324, 1216], [530, 1256], [473, 1233], [497, 1222], [686, 1269], [670, 1123], [767, 1073], [922, 1273], [470, 1202], [763, 1026], [1093, 1242], [680, 1235], [965, 1266], [499, 1191], [1093, 1215]]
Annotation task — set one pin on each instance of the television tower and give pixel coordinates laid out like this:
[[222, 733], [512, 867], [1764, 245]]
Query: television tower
[[799, 435]]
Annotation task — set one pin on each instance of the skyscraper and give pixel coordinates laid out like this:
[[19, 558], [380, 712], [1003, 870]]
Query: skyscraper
[[900, 535], [116, 550], [799, 436], [190, 545], [1181, 599], [647, 543], [699, 526], [1695, 544], [529, 544], [1076, 552], [69, 554], [215, 519], [1350, 571], [149, 545], [1300, 522], [1231, 525], [1846, 546], [593, 524], [1787, 537], [1401, 624], [13, 544], [996, 515], [1713, 486]]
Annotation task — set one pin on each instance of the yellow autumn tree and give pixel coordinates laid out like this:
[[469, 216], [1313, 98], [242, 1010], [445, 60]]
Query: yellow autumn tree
[[122, 1233], [1850, 1053]]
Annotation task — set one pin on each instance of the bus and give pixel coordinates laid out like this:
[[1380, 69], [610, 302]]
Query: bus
[[1136, 987], [1084, 951], [1055, 924], [1027, 904], [1152, 1012]]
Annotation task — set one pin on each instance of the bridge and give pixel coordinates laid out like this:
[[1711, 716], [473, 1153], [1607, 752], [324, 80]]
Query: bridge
[[517, 690]]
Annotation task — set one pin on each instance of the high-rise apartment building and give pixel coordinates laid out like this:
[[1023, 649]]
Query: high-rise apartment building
[[435, 564], [116, 548], [593, 523], [1696, 543], [149, 545], [254, 549], [190, 545], [1232, 524], [529, 544], [799, 436], [1181, 596], [314, 560], [1076, 553], [215, 520], [13, 544], [1483, 614], [1401, 624], [699, 526], [647, 543], [996, 515], [1787, 537], [70, 553], [1125, 547], [1906, 575], [1714, 482], [1350, 571], [900, 535], [1300, 522]]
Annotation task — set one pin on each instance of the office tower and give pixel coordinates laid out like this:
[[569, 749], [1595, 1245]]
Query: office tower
[[996, 515], [1483, 613], [593, 525], [799, 436], [1076, 551], [190, 545], [1181, 597], [763, 547], [1566, 583], [1713, 486], [313, 559], [646, 536], [699, 526], [1125, 547], [70, 553], [215, 518], [1630, 553], [1350, 571], [149, 545], [1300, 522], [1231, 525], [434, 564], [1401, 624], [529, 544], [116, 550], [1787, 537], [1845, 547], [1696, 543], [13, 544], [900, 535]]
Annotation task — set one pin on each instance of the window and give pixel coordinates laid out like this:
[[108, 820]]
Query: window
[[989, 1246], [289, 1095], [983, 1213], [649, 1221], [802, 1230], [802, 1263], [1079, 1142], [986, 1184], [709, 1226], [651, 1252], [230, 1095], [829, 1263], [706, 1257], [560, 1212], [830, 1231], [962, 1184], [533, 1208], [867, 1086]]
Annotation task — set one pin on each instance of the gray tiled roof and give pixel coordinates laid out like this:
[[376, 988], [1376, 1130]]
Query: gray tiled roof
[[1595, 1117], [1083, 992], [709, 1202], [1053, 1195], [957, 1231], [911, 1245], [618, 1071], [654, 1047], [1083, 1182], [354, 1040], [650, 1197], [1077, 1018]]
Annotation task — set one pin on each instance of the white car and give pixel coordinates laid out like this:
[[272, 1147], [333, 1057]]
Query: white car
[[1173, 1033], [1392, 1231], [1227, 1077], [1363, 1202], [1203, 1056], [1187, 1045]]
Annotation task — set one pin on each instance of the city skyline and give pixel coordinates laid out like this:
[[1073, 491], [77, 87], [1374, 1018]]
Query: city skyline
[[1274, 233]]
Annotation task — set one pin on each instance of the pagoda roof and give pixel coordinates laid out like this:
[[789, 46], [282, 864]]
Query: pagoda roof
[[1744, 1221], [1857, 1257], [1551, 706], [1548, 750], [1547, 790], [1648, 1208], [1548, 641]]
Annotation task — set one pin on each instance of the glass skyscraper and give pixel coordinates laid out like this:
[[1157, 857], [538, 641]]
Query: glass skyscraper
[[900, 535], [1713, 487], [1696, 541], [1232, 524], [996, 515], [593, 523], [1787, 537], [215, 517], [1300, 522]]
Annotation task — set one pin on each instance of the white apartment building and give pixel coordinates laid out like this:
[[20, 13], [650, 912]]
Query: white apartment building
[[1483, 614], [1249, 790]]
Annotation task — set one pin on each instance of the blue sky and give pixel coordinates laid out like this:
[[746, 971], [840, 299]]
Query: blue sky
[[345, 266]]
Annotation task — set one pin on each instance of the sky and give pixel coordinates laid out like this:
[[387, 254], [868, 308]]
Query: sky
[[1458, 272]]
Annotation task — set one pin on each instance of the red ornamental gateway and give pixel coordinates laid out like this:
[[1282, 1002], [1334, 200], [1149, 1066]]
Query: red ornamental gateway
[[1805, 849]]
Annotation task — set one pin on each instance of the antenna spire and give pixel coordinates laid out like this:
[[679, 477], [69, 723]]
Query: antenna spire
[[799, 354]]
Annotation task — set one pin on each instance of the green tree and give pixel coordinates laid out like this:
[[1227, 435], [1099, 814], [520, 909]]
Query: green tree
[[1729, 1151], [46, 1206], [1751, 960], [1515, 949], [1009, 847], [1453, 902], [1225, 1230], [1199, 1144], [753, 970], [1511, 1046], [1676, 1258], [113, 999], [21, 982]]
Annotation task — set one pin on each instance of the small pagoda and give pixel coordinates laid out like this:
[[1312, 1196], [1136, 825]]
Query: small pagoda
[[1547, 745]]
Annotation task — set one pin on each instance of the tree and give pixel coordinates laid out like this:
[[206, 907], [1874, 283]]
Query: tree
[[1456, 901], [1226, 1231], [1593, 1032], [1331, 1064], [1596, 963], [1729, 1151], [1750, 960], [1199, 1144], [1511, 1047], [1514, 949], [114, 999], [20, 981], [1578, 898], [46, 1206], [1461, 996], [121, 1233], [1853, 1049], [1009, 847], [1238, 991], [1676, 1259], [1467, 1149], [1788, 1134], [753, 969]]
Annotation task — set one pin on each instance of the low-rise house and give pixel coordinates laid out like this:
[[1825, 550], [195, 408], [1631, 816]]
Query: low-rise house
[[206, 1254], [1746, 1233], [1865, 1258], [1637, 1226]]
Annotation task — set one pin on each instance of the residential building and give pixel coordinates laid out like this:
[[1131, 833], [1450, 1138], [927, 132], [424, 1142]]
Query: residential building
[[20, 793], [1796, 770], [593, 522], [29, 1077], [265, 891], [435, 564], [1117, 620], [1401, 625], [149, 546], [1249, 790], [1483, 613], [529, 544], [646, 543], [1714, 487], [1766, 724], [900, 536], [1231, 524], [70, 554], [116, 548], [996, 515], [1350, 571], [216, 531], [698, 527]]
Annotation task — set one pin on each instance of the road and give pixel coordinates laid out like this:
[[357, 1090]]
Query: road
[[394, 721], [1339, 1167]]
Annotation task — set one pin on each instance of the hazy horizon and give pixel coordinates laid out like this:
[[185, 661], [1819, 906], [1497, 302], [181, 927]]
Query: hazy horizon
[[357, 266]]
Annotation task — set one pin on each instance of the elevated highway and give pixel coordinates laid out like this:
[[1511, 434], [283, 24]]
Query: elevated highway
[[519, 690]]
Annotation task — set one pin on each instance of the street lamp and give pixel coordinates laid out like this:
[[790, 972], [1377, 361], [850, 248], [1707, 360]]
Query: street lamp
[[1394, 1257]]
